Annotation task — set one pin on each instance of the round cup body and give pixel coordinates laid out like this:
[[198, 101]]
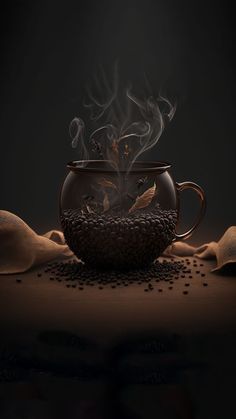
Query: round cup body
[[119, 220]]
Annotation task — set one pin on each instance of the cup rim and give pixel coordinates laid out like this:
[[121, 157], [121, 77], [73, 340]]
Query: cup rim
[[99, 166]]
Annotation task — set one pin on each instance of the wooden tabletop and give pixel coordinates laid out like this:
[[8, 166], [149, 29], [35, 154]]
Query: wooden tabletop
[[36, 302], [36, 313]]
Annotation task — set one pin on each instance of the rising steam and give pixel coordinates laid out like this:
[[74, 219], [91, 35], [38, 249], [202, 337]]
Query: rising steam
[[125, 126], [77, 133]]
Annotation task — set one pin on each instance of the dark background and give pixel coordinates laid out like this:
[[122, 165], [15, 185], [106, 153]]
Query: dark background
[[50, 49]]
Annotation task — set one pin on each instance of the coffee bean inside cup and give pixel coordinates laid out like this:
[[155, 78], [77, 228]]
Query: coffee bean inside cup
[[119, 241]]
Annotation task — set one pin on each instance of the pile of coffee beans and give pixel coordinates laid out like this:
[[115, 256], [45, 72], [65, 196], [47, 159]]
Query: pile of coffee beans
[[160, 276], [119, 241], [78, 275]]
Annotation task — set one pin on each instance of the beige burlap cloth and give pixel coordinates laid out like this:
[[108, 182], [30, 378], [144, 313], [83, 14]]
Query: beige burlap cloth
[[21, 248]]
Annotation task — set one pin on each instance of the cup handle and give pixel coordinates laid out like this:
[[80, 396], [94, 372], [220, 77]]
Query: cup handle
[[190, 185]]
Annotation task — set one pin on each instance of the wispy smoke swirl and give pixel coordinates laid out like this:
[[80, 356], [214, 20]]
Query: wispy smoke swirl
[[125, 126]]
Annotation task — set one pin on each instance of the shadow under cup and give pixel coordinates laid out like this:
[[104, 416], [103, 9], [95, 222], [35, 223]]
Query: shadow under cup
[[121, 220]]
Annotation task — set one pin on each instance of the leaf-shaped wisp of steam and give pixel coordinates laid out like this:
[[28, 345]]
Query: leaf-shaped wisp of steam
[[105, 183], [144, 200], [106, 202]]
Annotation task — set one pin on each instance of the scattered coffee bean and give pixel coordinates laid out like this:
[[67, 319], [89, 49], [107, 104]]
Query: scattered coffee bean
[[87, 276]]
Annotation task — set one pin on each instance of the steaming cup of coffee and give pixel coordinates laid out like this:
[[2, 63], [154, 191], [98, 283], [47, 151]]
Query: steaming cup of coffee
[[122, 219]]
